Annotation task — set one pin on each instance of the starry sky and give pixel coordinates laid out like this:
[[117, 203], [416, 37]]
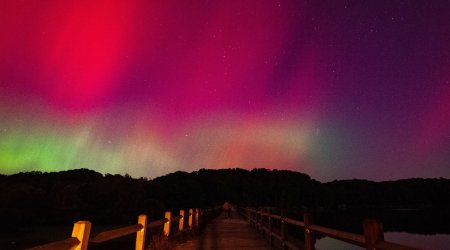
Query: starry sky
[[333, 89]]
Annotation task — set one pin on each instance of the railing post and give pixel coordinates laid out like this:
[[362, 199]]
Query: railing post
[[309, 236], [81, 230], [256, 216], [373, 231], [181, 221], [191, 211], [283, 230], [250, 217], [270, 227], [168, 224], [140, 237], [263, 232], [197, 212]]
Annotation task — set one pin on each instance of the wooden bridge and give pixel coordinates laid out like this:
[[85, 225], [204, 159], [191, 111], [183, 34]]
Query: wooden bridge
[[227, 233], [247, 228], [255, 230]]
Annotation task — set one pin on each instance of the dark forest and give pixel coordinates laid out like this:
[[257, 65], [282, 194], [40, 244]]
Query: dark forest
[[62, 198]]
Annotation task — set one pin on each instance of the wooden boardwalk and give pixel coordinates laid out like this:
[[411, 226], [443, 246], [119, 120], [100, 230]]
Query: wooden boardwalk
[[226, 233]]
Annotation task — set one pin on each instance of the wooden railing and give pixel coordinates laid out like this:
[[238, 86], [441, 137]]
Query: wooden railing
[[372, 239], [81, 230]]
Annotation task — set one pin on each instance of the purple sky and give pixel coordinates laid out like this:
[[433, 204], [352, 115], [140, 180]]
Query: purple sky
[[334, 89]]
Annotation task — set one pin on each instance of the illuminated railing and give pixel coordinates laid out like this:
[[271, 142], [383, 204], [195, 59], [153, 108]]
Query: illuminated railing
[[373, 238], [81, 230]]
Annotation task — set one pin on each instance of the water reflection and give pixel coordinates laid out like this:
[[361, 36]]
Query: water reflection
[[431, 242], [329, 244], [427, 228], [434, 242]]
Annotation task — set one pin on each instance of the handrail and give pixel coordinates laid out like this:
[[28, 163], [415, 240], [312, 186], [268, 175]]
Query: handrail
[[70, 243], [116, 233], [373, 237], [81, 230], [177, 218], [351, 238], [293, 222], [157, 223]]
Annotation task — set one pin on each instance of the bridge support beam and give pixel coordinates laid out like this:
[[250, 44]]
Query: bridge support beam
[[263, 220], [373, 231], [284, 232], [140, 236], [270, 228], [168, 224], [310, 240], [191, 211], [181, 221], [81, 230], [197, 213]]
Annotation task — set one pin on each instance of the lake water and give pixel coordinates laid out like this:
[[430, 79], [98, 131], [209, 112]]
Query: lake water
[[431, 242], [422, 228]]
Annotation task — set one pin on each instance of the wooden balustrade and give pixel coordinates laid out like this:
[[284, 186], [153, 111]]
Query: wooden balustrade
[[373, 238], [81, 230]]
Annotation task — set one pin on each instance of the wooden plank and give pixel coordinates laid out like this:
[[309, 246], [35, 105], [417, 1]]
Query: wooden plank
[[225, 234], [248, 209], [109, 235], [68, 244], [168, 224], [81, 230], [271, 241], [197, 212], [175, 219], [386, 245], [291, 246], [354, 239], [275, 216], [275, 235], [284, 233], [140, 236], [181, 222], [191, 212], [310, 240], [156, 223], [373, 231], [257, 225], [272, 233], [263, 222], [293, 222]]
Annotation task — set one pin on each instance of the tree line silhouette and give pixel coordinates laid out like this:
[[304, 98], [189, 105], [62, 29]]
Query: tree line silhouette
[[62, 198]]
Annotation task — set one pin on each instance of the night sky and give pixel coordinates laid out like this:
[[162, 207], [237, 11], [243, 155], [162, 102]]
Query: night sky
[[333, 89]]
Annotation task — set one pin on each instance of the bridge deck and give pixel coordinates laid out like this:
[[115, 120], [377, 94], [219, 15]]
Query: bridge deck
[[227, 233]]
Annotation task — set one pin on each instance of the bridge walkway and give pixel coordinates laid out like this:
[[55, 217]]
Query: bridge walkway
[[227, 233]]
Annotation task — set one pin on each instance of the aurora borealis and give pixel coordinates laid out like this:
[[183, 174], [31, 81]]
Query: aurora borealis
[[334, 89]]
